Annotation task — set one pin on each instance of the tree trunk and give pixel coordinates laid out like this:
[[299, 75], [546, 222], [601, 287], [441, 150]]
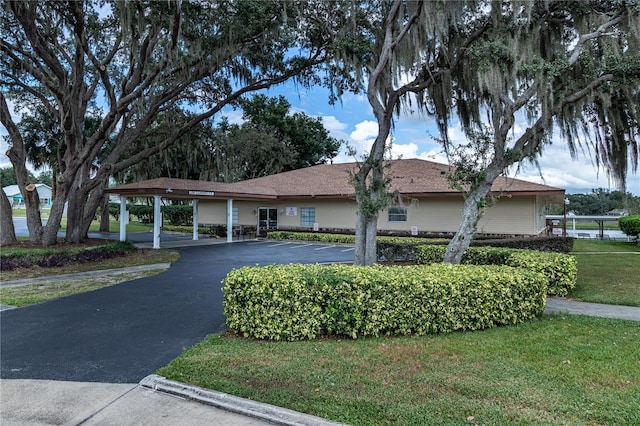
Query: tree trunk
[[104, 214], [371, 254], [50, 232], [472, 211], [361, 240], [34, 219], [471, 214], [7, 230]]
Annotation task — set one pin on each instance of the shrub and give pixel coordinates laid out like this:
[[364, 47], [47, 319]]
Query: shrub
[[557, 244], [560, 269], [630, 225], [178, 215], [294, 302], [51, 257], [142, 212]]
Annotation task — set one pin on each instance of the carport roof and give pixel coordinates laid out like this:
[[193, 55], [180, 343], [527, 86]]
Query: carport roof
[[410, 177]]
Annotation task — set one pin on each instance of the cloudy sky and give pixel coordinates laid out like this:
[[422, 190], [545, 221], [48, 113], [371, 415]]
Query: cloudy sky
[[352, 121]]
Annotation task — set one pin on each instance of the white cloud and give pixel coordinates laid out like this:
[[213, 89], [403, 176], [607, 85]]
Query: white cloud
[[365, 130], [234, 116]]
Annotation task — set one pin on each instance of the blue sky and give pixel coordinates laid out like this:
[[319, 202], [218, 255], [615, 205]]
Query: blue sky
[[353, 121]]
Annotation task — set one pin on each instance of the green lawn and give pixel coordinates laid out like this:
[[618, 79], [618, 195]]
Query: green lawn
[[558, 370], [606, 273]]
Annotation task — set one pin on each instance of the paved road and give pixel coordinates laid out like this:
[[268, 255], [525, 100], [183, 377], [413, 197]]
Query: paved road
[[123, 333]]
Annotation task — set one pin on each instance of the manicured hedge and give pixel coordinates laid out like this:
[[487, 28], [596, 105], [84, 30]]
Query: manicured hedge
[[560, 269], [295, 302], [51, 258], [340, 238], [630, 225]]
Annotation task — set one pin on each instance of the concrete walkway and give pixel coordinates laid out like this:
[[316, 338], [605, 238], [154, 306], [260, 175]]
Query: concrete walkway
[[53, 402], [557, 305]]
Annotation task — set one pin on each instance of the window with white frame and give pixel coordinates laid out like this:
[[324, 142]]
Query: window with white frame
[[234, 216], [397, 214], [307, 216]]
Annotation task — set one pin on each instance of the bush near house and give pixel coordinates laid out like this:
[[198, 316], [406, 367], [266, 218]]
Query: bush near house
[[50, 257], [630, 225], [296, 302], [561, 269], [399, 248]]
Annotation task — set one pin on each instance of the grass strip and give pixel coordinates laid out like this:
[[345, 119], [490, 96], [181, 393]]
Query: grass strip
[[134, 258], [35, 293], [557, 370]]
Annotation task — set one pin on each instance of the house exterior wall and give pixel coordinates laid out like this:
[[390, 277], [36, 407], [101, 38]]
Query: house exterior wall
[[510, 215]]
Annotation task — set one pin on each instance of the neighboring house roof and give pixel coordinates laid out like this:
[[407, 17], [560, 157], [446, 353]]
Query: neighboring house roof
[[410, 177], [14, 190]]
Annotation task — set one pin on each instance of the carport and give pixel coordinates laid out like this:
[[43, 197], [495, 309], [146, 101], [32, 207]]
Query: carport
[[176, 189]]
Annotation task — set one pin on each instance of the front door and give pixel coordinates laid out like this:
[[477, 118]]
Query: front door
[[267, 220]]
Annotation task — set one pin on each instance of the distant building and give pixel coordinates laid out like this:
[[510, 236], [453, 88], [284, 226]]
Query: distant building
[[16, 199], [617, 212], [322, 198]]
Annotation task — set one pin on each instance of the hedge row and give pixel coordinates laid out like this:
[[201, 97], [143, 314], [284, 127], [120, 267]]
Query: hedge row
[[53, 258], [400, 248], [343, 238], [630, 225], [295, 302], [560, 269]]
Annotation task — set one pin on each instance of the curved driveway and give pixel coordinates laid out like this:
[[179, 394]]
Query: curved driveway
[[123, 333]]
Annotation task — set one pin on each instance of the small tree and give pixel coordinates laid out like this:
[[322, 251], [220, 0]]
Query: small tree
[[630, 225]]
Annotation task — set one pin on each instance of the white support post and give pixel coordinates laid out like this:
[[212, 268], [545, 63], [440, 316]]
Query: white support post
[[195, 220], [230, 220], [123, 218], [157, 219]]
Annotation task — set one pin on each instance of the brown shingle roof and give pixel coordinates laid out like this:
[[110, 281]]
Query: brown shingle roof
[[413, 177]]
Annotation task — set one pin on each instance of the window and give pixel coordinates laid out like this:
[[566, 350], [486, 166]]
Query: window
[[397, 214], [234, 216], [307, 216]]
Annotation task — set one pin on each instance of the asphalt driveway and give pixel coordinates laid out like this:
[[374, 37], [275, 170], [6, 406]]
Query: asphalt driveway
[[123, 333]]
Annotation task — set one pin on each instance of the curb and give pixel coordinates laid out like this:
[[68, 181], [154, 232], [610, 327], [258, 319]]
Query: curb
[[247, 407]]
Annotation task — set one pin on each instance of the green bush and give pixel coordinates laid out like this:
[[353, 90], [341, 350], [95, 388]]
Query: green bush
[[142, 212], [295, 302], [557, 244], [178, 215], [560, 269], [630, 225], [51, 257]]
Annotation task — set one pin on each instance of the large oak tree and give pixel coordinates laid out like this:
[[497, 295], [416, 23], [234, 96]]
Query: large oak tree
[[557, 65], [133, 61]]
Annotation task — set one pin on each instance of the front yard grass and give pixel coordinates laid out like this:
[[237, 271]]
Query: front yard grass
[[557, 370], [606, 273]]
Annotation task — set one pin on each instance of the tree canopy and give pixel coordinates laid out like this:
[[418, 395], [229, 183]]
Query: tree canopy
[[271, 140], [568, 67], [132, 62]]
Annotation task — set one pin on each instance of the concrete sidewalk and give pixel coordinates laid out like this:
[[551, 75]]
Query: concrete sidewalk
[[556, 305], [46, 402]]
